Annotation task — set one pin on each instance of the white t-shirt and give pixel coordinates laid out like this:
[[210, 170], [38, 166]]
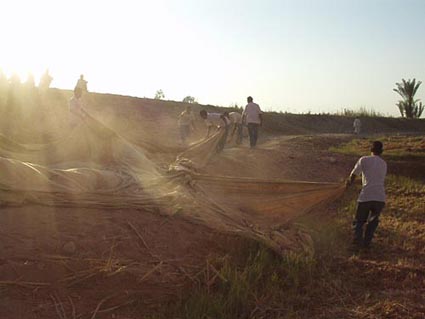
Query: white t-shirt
[[215, 119], [235, 117], [357, 123], [252, 113], [373, 170]]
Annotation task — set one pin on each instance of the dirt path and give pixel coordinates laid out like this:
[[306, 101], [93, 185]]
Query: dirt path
[[305, 158]]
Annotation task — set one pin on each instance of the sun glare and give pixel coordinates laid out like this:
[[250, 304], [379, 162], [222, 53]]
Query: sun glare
[[22, 73]]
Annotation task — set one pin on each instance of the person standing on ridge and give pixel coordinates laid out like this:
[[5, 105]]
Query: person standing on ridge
[[252, 116], [371, 200], [45, 81], [357, 125], [82, 84]]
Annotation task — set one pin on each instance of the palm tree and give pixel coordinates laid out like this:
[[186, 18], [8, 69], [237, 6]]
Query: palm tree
[[408, 106]]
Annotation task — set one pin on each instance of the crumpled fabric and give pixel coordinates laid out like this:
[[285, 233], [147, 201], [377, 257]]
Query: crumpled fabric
[[94, 166]]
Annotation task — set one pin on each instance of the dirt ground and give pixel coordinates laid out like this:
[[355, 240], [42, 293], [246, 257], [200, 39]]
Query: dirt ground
[[78, 261], [62, 262]]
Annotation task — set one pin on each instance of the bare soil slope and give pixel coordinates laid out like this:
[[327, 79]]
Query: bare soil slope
[[134, 258], [92, 263]]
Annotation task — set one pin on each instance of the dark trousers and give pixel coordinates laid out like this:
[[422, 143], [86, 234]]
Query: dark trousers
[[367, 212], [239, 130], [253, 133], [222, 142]]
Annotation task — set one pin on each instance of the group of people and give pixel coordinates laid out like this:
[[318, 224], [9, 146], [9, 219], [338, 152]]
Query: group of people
[[14, 81], [372, 168], [252, 117]]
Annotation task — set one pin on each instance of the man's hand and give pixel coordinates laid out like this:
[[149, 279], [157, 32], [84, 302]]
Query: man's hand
[[350, 180], [347, 183]]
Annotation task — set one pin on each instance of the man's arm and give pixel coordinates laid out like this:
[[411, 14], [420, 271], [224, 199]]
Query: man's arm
[[350, 180], [357, 170], [244, 116], [260, 115], [224, 119]]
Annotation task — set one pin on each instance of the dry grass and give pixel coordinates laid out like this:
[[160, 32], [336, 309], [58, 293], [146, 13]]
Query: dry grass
[[385, 282], [253, 282]]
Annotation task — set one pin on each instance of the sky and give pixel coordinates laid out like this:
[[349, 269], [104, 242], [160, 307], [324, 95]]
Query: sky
[[292, 56]]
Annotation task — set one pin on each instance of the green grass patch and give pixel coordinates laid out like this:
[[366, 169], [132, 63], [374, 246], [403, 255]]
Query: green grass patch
[[395, 147]]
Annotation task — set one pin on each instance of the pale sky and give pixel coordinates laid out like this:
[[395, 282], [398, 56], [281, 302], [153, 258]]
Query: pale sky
[[295, 56]]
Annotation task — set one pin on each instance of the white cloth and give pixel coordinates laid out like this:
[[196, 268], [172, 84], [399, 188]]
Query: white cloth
[[252, 113], [235, 117], [373, 170]]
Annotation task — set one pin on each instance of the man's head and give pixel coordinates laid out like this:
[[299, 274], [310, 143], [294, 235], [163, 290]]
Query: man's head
[[203, 114], [226, 114], [249, 99], [377, 148]]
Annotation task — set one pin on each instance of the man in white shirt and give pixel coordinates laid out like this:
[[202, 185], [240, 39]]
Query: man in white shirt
[[236, 120], [371, 200], [357, 125], [217, 121], [214, 120], [253, 117]]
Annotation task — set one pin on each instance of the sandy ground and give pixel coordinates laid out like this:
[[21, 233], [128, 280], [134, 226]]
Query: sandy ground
[[61, 262], [56, 261]]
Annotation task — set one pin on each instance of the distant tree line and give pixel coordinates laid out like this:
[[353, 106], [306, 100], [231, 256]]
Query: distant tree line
[[159, 95]]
